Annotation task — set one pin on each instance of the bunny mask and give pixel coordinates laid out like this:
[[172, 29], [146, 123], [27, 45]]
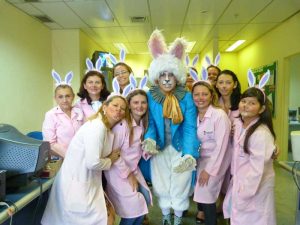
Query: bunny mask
[[59, 81], [262, 82], [166, 59]]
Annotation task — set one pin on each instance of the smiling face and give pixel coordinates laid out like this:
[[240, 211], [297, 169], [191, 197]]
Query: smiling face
[[122, 73], [212, 74], [115, 110], [138, 106], [93, 85], [167, 82], [64, 97], [250, 108], [225, 84], [202, 97]]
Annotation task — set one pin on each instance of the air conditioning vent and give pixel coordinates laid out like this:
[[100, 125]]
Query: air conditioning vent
[[44, 19], [139, 19]]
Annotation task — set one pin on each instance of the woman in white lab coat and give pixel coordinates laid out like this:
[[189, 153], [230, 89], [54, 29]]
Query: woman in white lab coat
[[77, 195]]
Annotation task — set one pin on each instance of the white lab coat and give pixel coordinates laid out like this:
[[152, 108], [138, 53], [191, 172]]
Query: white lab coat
[[77, 195]]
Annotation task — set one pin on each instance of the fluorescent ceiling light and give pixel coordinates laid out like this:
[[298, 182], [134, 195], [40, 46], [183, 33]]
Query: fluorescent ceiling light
[[190, 46], [235, 45], [121, 46]]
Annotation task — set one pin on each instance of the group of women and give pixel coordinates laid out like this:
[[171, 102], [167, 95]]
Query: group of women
[[102, 134]]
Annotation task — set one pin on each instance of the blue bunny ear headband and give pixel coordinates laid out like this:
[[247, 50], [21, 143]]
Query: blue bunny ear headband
[[262, 82], [116, 89], [59, 81], [194, 62], [122, 57], [217, 60], [90, 66], [194, 75], [134, 85]]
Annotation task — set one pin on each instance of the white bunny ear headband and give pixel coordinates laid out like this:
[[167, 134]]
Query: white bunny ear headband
[[90, 66], [117, 89], [194, 62], [217, 60], [262, 82], [194, 75], [59, 81], [122, 57], [134, 85]]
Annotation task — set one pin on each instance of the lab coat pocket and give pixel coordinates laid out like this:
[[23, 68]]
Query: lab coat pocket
[[77, 197]]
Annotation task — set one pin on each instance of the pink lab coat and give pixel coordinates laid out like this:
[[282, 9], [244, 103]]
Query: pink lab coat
[[59, 129], [127, 203], [85, 107], [77, 196], [213, 131], [250, 198]]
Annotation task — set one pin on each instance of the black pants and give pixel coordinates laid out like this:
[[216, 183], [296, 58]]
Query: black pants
[[210, 213]]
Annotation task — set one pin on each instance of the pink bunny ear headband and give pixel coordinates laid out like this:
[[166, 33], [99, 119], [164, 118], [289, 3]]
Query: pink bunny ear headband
[[262, 82], [194, 75], [59, 81], [217, 60], [116, 89], [90, 66]]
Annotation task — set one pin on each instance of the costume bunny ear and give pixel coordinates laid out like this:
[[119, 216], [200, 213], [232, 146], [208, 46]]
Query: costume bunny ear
[[132, 81], [217, 59], [204, 73], [157, 44], [112, 58], [116, 86], [207, 59], [178, 47], [122, 55], [187, 60], [89, 64], [56, 77], [251, 78], [126, 90], [68, 78], [194, 75], [195, 60], [99, 64], [143, 82], [264, 80]]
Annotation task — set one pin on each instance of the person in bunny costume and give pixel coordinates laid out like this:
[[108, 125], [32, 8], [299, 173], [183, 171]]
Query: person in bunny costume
[[126, 186], [62, 122], [171, 134], [250, 197]]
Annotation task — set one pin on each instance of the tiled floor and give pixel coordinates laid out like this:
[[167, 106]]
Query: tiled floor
[[285, 197]]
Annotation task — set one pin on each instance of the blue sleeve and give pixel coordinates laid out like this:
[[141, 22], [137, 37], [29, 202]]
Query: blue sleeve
[[191, 143], [151, 130]]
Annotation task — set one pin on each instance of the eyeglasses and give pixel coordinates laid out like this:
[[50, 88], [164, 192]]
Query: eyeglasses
[[121, 73]]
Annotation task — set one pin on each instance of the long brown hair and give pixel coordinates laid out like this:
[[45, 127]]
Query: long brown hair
[[144, 118]]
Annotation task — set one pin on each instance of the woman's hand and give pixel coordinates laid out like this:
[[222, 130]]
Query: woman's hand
[[203, 178], [133, 181], [114, 155]]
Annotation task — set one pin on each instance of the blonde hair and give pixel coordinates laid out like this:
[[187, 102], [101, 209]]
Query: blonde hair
[[100, 113], [214, 100]]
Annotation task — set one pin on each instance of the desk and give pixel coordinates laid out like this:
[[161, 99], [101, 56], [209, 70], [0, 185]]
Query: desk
[[289, 166], [25, 195]]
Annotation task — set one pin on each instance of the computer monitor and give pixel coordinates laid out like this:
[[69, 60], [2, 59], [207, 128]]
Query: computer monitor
[[22, 157]]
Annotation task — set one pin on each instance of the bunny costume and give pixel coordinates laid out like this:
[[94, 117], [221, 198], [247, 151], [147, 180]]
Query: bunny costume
[[170, 138]]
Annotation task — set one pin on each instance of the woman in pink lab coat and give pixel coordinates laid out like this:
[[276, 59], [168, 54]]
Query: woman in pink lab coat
[[77, 196], [213, 129], [250, 198], [126, 186], [62, 122]]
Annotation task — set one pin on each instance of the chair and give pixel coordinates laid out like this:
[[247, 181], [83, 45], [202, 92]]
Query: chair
[[35, 135]]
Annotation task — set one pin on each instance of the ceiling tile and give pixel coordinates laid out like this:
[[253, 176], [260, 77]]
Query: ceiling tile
[[139, 48], [205, 11], [53, 26], [243, 11], [61, 14], [226, 31], [287, 8], [93, 13], [253, 31], [196, 32], [110, 34], [124, 10], [137, 34], [29, 9], [168, 12]]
